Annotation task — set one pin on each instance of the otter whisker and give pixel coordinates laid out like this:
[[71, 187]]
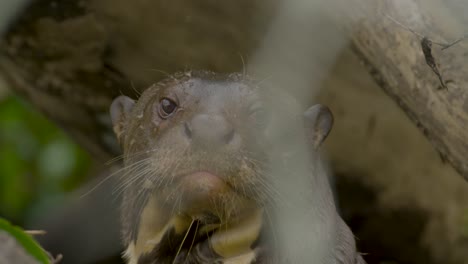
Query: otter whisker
[[95, 187], [183, 240], [134, 89], [193, 240], [269, 190], [160, 71], [122, 156], [141, 200], [106, 179], [140, 176], [129, 170], [163, 174], [243, 67], [272, 228], [258, 83], [178, 199]]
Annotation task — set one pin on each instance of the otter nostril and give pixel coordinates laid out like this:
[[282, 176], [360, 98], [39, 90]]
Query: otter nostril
[[187, 130], [229, 136]]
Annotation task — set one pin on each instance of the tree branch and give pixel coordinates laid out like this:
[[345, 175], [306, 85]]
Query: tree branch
[[394, 57]]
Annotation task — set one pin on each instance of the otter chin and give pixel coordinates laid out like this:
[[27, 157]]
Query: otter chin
[[201, 192], [200, 186]]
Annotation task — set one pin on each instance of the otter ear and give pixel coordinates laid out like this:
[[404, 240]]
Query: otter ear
[[318, 121], [119, 112]]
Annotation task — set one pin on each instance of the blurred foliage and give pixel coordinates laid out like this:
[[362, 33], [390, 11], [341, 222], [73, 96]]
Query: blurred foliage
[[38, 162]]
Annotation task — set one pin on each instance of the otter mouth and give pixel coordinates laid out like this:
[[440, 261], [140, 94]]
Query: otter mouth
[[202, 193], [203, 180], [198, 191], [202, 186]]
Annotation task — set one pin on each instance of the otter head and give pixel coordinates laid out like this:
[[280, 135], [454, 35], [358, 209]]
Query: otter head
[[194, 159], [195, 171]]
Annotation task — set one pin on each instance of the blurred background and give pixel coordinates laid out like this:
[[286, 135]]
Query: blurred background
[[62, 62], [39, 163]]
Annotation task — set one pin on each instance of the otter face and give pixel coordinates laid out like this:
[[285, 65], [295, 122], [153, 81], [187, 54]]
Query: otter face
[[197, 152], [194, 150]]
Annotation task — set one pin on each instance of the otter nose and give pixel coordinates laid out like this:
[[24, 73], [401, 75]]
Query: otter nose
[[210, 130]]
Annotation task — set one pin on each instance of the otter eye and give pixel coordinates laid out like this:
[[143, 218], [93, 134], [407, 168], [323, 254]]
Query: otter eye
[[166, 107], [256, 110], [259, 114]]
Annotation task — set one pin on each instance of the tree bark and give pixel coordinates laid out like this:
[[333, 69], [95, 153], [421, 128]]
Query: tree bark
[[71, 58], [390, 44]]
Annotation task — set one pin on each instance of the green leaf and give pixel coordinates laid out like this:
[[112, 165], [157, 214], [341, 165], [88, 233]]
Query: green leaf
[[27, 241]]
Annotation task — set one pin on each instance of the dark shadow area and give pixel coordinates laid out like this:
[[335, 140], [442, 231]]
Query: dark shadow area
[[383, 235]]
